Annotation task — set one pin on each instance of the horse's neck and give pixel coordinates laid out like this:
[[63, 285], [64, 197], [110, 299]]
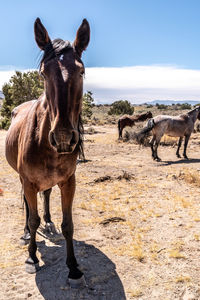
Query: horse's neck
[[194, 115]]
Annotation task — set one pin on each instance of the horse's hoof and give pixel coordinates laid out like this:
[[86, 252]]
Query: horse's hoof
[[77, 283], [158, 159], [31, 267], [50, 228], [23, 242], [25, 239]]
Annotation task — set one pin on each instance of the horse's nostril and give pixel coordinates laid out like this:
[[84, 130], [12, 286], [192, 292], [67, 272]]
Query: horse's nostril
[[52, 139], [62, 141]]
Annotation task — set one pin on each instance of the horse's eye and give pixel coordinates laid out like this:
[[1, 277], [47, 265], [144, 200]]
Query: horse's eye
[[82, 73]]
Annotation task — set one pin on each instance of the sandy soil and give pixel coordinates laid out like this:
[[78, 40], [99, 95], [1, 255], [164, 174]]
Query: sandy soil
[[137, 233]]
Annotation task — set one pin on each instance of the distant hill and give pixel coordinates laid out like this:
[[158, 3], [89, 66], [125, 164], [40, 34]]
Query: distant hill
[[1, 94], [170, 102]]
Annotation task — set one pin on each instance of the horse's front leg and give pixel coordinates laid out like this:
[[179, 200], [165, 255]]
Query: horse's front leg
[[120, 132], [76, 278], [156, 150], [26, 236], [49, 225], [179, 145], [32, 263], [185, 146]]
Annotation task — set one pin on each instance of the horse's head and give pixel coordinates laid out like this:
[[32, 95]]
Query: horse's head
[[149, 115], [198, 116], [63, 72]]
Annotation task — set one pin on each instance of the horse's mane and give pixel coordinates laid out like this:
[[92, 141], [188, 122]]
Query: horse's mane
[[191, 111], [186, 115], [141, 117], [135, 117], [55, 48]]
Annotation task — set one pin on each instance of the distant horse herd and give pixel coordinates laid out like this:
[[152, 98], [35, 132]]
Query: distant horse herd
[[180, 126], [45, 138]]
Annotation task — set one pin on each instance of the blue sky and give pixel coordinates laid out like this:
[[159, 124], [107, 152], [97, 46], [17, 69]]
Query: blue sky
[[125, 34]]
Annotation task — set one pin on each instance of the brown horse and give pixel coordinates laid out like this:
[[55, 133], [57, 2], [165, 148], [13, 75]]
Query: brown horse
[[44, 138], [127, 120], [176, 126]]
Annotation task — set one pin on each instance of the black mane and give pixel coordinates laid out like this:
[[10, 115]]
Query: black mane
[[55, 48]]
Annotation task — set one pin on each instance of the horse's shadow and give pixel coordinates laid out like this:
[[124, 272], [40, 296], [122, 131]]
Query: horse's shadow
[[102, 280], [181, 161]]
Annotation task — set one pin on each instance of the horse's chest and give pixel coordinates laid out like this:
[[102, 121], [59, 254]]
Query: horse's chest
[[59, 170], [50, 173]]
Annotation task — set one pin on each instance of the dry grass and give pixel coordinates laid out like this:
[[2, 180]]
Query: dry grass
[[135, 293], [190, 176], [176, 251], [168, 140], [183, 279]]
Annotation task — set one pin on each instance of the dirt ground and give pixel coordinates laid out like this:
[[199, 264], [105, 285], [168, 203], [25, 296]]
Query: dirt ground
[[136, 221]]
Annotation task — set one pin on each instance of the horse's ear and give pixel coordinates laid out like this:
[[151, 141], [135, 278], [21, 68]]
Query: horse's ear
[[41, 34], [82, 37]]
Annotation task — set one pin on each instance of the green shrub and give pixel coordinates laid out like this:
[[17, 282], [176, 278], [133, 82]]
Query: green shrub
[[185, 106], [21, 87], [88, 103], [161, 106], [121, 107]]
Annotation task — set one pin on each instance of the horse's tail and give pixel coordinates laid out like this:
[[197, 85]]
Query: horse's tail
[[144, 132]]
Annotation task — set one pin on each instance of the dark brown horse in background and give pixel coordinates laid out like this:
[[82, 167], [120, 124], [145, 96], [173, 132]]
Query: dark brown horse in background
[[44, 138], [176, 126], [127, 120]]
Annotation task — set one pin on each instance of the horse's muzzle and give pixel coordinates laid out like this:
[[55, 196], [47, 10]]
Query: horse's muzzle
[[62, 142]]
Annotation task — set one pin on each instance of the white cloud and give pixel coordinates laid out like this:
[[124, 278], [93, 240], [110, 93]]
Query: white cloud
[[137, 84], [4, 77], [140, 84]]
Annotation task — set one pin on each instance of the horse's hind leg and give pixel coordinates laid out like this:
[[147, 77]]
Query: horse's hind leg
[[75, 276], [152, 146], [185, 145], [32, 263], [26, 236], [179, 145], [49, 225]]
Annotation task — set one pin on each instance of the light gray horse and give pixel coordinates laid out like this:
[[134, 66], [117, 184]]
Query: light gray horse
[[176, 126]]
